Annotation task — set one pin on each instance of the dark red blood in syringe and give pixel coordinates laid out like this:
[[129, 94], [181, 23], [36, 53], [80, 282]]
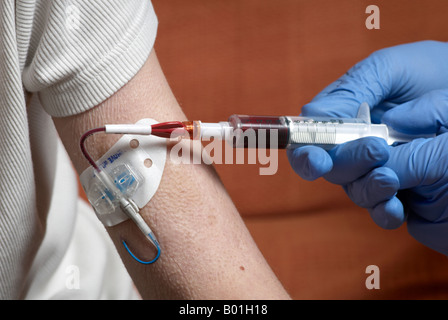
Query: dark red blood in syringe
[[268, 123]]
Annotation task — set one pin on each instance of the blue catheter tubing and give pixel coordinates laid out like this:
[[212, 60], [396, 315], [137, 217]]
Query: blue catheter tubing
[[132, 211], [154, 241]]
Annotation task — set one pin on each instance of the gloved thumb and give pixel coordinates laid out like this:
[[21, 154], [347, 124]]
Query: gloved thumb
[[427, 114]]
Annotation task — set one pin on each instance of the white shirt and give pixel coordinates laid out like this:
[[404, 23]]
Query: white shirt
[[72, 54]]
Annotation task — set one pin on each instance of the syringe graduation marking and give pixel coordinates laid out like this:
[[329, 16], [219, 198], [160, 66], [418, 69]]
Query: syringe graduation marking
[[313, 132]]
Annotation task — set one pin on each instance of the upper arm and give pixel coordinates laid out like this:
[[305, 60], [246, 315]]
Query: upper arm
[[105, 72], [200, 231]]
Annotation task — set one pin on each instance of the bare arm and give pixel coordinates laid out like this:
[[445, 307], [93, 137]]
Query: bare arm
[[207, 252]]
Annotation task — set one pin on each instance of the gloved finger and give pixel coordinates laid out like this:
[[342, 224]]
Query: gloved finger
[[421, 162], [388, 214], [376, 113], [353, 159], [424, 115], [379, 185], [428, 201], [309, 162], [432, 235]]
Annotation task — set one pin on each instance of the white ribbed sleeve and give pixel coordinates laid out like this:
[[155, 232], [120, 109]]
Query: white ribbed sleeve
[[74, 54], [86, 51]]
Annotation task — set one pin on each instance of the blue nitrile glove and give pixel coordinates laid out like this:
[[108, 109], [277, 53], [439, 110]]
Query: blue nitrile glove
[[406, 74], [422, 167]]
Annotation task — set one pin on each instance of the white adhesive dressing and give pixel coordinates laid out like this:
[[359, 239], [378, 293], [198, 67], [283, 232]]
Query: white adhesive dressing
[[135, 164]]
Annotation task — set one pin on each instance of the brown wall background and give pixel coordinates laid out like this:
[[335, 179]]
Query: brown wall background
[[271, 57]]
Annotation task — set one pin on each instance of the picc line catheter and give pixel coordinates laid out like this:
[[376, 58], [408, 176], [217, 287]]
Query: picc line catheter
[[286, 131], [289, 131]]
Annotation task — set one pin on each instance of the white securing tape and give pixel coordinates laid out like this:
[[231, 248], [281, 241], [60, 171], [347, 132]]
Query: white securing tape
[[128, 128], [135, 163]]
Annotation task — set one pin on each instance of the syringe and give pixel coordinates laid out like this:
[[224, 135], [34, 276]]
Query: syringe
[[274, 131], [245, 131]]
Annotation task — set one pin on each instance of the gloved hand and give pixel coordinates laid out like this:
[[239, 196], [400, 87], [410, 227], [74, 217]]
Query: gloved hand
[[422, 167], [394, 82]]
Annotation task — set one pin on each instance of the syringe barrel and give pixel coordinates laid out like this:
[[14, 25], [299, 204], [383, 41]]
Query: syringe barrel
[[299, 131], [247, 131], [328, 132]]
